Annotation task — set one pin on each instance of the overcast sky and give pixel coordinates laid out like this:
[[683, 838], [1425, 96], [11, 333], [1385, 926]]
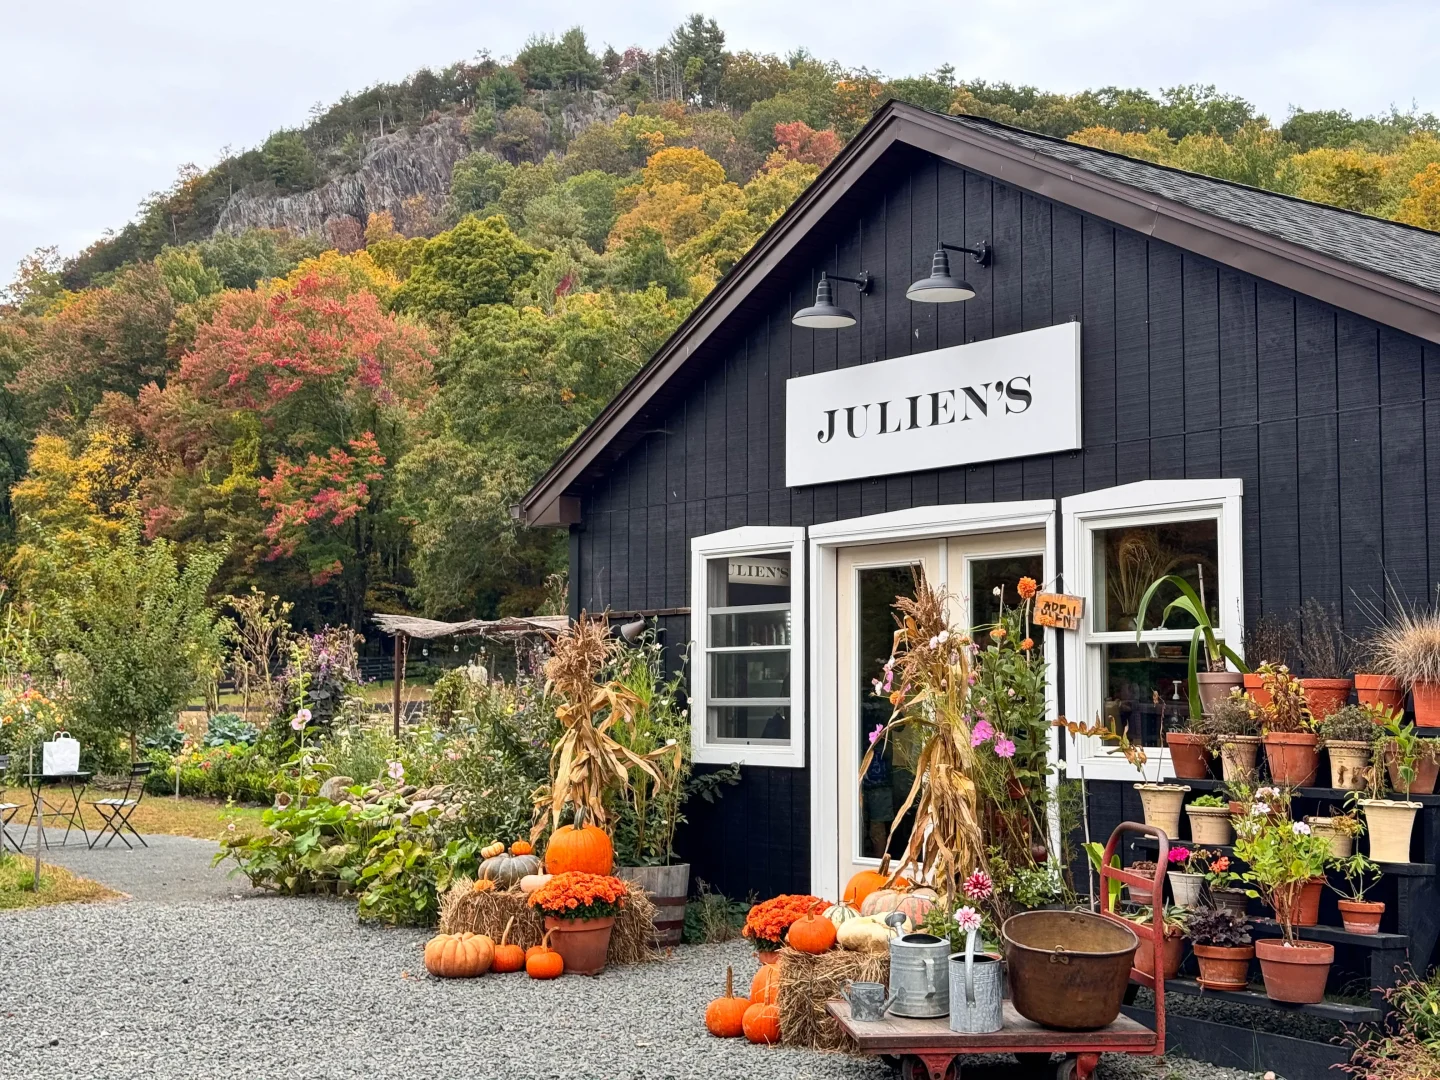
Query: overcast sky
[[107, 98]]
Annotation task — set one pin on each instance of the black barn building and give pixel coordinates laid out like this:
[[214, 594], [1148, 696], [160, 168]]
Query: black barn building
[[1157, 370]]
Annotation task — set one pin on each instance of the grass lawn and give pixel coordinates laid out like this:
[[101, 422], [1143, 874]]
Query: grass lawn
[[57, 885], [206, 819]]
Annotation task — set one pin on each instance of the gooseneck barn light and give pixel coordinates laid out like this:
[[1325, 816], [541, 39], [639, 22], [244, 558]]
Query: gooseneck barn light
[[942, 287], [825, 314]]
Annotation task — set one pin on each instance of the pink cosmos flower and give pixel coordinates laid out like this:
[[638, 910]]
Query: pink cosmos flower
[[978, 886], [1004, 747], [982, 732]]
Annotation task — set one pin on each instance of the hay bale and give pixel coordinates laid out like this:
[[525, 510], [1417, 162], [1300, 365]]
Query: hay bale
[[808, 981], [462, 910]]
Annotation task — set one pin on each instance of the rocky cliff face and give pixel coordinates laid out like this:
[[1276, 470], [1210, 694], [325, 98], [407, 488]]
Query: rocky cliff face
[[396, 168]]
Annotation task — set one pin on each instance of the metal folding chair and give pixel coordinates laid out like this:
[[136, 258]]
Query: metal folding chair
[[7, 810], [116, 812]]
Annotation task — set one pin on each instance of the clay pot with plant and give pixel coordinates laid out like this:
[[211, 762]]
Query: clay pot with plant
[[1268, 640], [1390, 822], [1176, 919], [1292, 749], [1187, 875], [1208, 679], [1225, 886], [1223, 948], [1412, 761], [1348, 735], [1209, 820], [1284, 857], [1407, 646], [1359, 915], [1139, 894], [1340, 830], [1233, 730], [1328, 657]]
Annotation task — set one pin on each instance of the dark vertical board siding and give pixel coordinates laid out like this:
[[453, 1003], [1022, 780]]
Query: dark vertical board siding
[[1189, 369]]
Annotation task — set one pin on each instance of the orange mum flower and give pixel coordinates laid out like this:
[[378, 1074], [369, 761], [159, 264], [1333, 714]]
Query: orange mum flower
[[1027, 644], [577, 895], [1026, 588], [768, 922], [998, 633]]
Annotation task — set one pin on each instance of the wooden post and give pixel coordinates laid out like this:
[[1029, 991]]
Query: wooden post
[[399, 648]]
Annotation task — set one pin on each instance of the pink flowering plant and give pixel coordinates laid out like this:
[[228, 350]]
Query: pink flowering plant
[[1185, 860]]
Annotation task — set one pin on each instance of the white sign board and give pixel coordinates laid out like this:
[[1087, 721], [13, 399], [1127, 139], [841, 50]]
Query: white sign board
[[1003, 398], [753, 570]]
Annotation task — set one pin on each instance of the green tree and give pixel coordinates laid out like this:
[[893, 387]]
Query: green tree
[[500, 91], [698, 48], [477, 262], [640, 261], [289, 162]]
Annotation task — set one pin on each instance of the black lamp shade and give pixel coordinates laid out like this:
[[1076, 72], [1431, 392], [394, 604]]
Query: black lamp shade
[[824, 315], [940, 287]]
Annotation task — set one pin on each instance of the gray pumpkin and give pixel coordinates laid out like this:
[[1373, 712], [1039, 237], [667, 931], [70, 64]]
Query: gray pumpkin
[[506, 870]]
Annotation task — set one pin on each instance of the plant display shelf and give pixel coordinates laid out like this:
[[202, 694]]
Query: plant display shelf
[[1328, 1010], [1393, 869], [1321, 794]]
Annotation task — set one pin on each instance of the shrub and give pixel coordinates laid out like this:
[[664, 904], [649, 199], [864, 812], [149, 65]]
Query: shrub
[[1352, 723], [229, 727], [1222, 929]]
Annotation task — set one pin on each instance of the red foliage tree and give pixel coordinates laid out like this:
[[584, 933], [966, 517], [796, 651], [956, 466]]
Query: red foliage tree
[[798, 141]]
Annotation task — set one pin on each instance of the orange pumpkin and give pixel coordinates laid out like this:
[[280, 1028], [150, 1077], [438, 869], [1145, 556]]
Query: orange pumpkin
[[484, 885], [725, 1016], [508, 957], [459, 956], [543, 962], [765, 987], [587, 849], [811, 934], [761, 1024], [522, 847], [867, 881]]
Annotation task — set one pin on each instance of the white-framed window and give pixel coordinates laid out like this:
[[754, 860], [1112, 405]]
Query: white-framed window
[[1117, 541], [747, 658]]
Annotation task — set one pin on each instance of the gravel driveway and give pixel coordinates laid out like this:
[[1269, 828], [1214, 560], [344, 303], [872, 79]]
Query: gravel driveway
[[196, 976]]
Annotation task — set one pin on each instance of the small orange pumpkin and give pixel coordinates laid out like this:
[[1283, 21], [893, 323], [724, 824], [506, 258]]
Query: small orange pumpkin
[[508, 957], [522, 847], [761, 1024], [543, 962], [867, 881], [459, 956], [765, 987], [725, 1016], [811, 934], [587, 849], [484, 885]]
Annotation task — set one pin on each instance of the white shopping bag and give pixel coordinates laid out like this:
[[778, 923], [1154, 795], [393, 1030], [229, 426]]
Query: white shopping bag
[[61, 755]]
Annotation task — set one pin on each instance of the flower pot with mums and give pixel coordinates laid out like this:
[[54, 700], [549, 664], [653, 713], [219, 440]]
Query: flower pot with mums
[[1359, 915], [1285, 857], [1348, 735], [1223, 949], [1209, 820], [579, 911], [1209, 680], [767, 923], [1233, 730], [1407, 647], [1291, 745]]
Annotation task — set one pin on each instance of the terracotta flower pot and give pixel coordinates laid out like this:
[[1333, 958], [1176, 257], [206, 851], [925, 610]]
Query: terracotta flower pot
[[1238, 754], [1215, 686], [1162, 803], [1145, 954], [1223, 967], [1342, 844], [1230, 900], [1325, 696], [581, 943], [1189, 755], [1383, 690], [1142, 897], [1361, 916], [1348, 762], [1209, 825], [1426, 698], [1296, 972], [1255, 687], [1307, 911], [1427, 771], [1389, 825], [1293, 756]]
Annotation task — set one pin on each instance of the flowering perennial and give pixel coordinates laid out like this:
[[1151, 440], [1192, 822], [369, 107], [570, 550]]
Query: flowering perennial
[[576, 895], [768, 922]]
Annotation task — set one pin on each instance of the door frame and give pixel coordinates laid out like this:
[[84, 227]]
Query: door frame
[[918, 523]]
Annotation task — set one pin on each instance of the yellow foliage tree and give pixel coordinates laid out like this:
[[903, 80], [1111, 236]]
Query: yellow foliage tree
[[682, 192], [390, 249], [347, 274], [1147, 145], [1353, 179], [1422, 205]]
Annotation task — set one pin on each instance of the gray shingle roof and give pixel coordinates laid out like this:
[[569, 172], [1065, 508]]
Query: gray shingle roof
[[1400, 251]]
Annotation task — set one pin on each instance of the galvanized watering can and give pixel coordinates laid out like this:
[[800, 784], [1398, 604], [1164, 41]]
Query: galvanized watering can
[[976, 990], [918, 976], [867, 1000]]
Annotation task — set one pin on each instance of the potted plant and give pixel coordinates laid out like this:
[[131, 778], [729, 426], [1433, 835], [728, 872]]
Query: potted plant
[[1221, 940], [1268, 640], [1402, 747], [1175, 920], [1347, 734], [579, 911], [1209, 820], [1339, 829], [1359, 915], [1161, 802], [1223, 884], [1187, 875], [1283, 858], [1208, 679], [1140, 894], [1327, 657], [1189, 751], [1407, 647], [1292, 749], [767, 923], [1233, 727], [1389, 822]]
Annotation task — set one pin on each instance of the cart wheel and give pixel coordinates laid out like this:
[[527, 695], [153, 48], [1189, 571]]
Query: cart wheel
[[1066, 1070], [913, 1068]]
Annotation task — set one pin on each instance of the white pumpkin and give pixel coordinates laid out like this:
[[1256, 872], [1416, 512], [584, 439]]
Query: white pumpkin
[[530, 882], [864, 935]]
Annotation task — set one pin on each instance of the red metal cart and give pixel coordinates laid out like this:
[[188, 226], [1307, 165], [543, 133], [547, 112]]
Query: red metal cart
[[928, 1050]]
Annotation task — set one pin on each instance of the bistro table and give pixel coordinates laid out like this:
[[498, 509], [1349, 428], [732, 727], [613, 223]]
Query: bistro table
[[56, 809]]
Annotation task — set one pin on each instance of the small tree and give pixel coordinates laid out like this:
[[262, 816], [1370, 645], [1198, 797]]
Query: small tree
[[136, 636], [258, 637]]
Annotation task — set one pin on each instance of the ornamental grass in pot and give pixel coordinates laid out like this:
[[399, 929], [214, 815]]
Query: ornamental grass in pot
[[1283, 858], [1359, 915], [1233, 730], [1407, 646], [1348, 735], [1292, 749], [1209, 820], [1223, 948]]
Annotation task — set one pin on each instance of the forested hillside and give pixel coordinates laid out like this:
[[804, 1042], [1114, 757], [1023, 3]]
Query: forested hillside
[[335, 360]]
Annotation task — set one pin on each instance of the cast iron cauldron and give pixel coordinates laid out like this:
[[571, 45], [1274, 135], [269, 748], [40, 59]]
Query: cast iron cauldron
[[1068, 969]]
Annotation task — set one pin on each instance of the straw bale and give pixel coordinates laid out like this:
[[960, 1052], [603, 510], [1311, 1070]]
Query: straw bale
[[808, 981], [462, 909]]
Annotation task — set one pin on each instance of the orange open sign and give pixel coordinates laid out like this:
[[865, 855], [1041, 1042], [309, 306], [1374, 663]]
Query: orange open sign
[[1058, 610]]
